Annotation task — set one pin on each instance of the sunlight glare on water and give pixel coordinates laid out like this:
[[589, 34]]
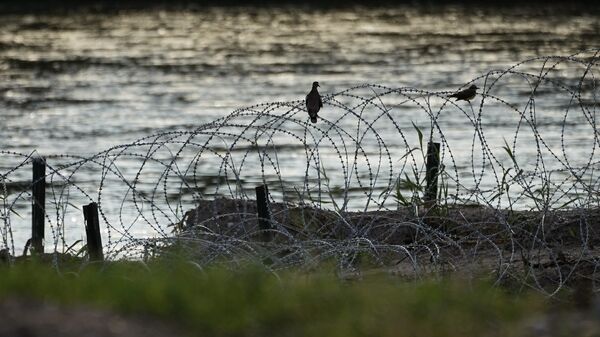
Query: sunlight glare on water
[[79, 84]]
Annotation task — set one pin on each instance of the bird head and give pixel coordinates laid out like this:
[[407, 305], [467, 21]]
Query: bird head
[[315, 84], [473, 86]]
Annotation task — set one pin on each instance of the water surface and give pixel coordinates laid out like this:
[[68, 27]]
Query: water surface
[[80, 84]]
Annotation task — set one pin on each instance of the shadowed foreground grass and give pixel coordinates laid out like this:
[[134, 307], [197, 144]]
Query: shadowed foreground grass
[[252, 302]]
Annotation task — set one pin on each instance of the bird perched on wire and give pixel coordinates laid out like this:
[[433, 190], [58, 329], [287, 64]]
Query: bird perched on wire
[[313, 102], [467, 94]]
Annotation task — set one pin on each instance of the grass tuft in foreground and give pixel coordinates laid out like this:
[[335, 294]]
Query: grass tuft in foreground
[[253, 302]]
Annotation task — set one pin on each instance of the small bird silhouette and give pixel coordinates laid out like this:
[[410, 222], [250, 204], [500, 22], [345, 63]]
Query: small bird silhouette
[[467, 94], [313, 102]]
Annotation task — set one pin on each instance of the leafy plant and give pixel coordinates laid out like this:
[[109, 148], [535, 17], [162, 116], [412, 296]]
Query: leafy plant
[[417, 184]]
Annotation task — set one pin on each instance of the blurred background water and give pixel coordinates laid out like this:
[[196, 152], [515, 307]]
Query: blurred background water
[[80, 83]]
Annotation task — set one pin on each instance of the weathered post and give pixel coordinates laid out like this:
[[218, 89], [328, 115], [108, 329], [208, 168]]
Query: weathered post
[[38, 204], [431, 175], [92, 231], [264, 216]]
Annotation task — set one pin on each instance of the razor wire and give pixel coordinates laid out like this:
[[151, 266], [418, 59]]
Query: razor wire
[[518, 191]]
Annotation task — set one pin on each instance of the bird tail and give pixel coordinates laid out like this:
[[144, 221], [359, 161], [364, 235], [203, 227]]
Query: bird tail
[[313, 118]]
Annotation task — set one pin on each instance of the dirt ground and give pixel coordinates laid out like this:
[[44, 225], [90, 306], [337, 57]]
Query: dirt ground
[[27, 318]]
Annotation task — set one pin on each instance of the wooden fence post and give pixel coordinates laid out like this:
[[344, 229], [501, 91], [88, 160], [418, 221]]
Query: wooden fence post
[[92, 231], [264, 216], [38, 204], [431, 175]]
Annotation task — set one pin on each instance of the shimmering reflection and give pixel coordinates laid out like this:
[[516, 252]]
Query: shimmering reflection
[[80, 84]]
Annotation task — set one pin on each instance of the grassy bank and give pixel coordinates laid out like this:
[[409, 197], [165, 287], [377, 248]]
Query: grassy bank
[[252, 302]]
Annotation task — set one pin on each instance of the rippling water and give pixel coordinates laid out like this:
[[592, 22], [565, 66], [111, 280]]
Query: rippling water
[[79, 84]]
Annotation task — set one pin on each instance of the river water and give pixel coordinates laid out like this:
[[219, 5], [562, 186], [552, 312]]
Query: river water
[[81, 83]]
